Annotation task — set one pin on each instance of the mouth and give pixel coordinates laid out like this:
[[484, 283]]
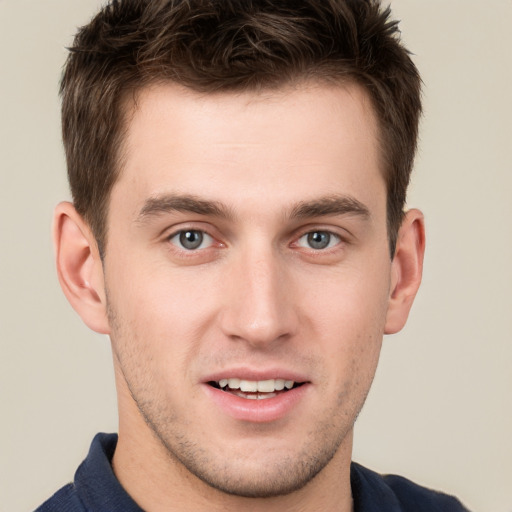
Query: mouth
[[255, 389]]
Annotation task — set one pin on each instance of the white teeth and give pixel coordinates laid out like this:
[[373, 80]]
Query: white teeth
[[279, 384], [255, 396], [248, 386], [233, 383], [266, 386], [253, 386]]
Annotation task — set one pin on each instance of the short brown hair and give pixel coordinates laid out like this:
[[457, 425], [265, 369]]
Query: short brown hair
[[231, 45]]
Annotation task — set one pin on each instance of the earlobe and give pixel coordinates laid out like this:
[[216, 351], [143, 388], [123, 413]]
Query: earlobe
[[406, 270], [79, 267]]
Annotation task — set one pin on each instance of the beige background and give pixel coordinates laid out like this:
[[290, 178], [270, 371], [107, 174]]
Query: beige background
[[440, 411]]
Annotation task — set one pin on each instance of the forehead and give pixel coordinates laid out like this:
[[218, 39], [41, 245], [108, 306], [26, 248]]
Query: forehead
[[336, 103], [295, 139]]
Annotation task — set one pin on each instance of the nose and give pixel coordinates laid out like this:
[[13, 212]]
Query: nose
[[259, 300]]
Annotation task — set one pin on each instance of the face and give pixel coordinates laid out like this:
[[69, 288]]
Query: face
[[248, 277]]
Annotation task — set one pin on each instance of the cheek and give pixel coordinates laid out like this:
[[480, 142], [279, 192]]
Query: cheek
[[349, 300], [161, 313], [348, 319]]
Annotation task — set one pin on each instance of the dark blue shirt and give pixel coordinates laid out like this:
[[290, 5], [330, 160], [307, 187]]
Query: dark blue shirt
[[96, 489]]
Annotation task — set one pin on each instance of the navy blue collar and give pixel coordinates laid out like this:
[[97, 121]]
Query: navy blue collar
[[95, 482], [97, 489]]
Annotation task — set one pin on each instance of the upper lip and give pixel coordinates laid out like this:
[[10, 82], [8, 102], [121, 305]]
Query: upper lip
[[256, 374]]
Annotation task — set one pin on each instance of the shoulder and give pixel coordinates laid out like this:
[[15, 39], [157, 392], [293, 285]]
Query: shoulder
[[399, 494], [415, 497], [64, 500], [95, 486]]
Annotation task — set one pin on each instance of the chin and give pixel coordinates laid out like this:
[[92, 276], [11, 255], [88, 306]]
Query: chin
[[262, 473], [283, 479]]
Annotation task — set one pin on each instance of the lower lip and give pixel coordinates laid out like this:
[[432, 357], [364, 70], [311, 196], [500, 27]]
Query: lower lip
[[257, 411]]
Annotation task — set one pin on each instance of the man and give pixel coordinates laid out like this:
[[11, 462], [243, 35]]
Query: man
[[239, 172]]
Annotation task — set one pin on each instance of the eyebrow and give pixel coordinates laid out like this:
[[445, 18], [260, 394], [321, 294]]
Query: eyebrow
[[330, 205], [182, 203]]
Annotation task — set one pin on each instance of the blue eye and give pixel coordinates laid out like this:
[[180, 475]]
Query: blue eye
[[191, 239], [319, 240]]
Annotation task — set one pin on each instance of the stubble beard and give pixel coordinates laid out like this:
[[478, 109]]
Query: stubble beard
[[279, 475]]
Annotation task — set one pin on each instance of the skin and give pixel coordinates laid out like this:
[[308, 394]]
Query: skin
[[256, 173]]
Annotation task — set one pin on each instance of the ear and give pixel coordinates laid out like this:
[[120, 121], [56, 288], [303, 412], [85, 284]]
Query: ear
[[79, 267], [406, 270]]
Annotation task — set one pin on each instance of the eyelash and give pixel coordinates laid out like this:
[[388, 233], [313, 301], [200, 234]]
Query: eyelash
[[177, 239], [331, 236], [184, 232]]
